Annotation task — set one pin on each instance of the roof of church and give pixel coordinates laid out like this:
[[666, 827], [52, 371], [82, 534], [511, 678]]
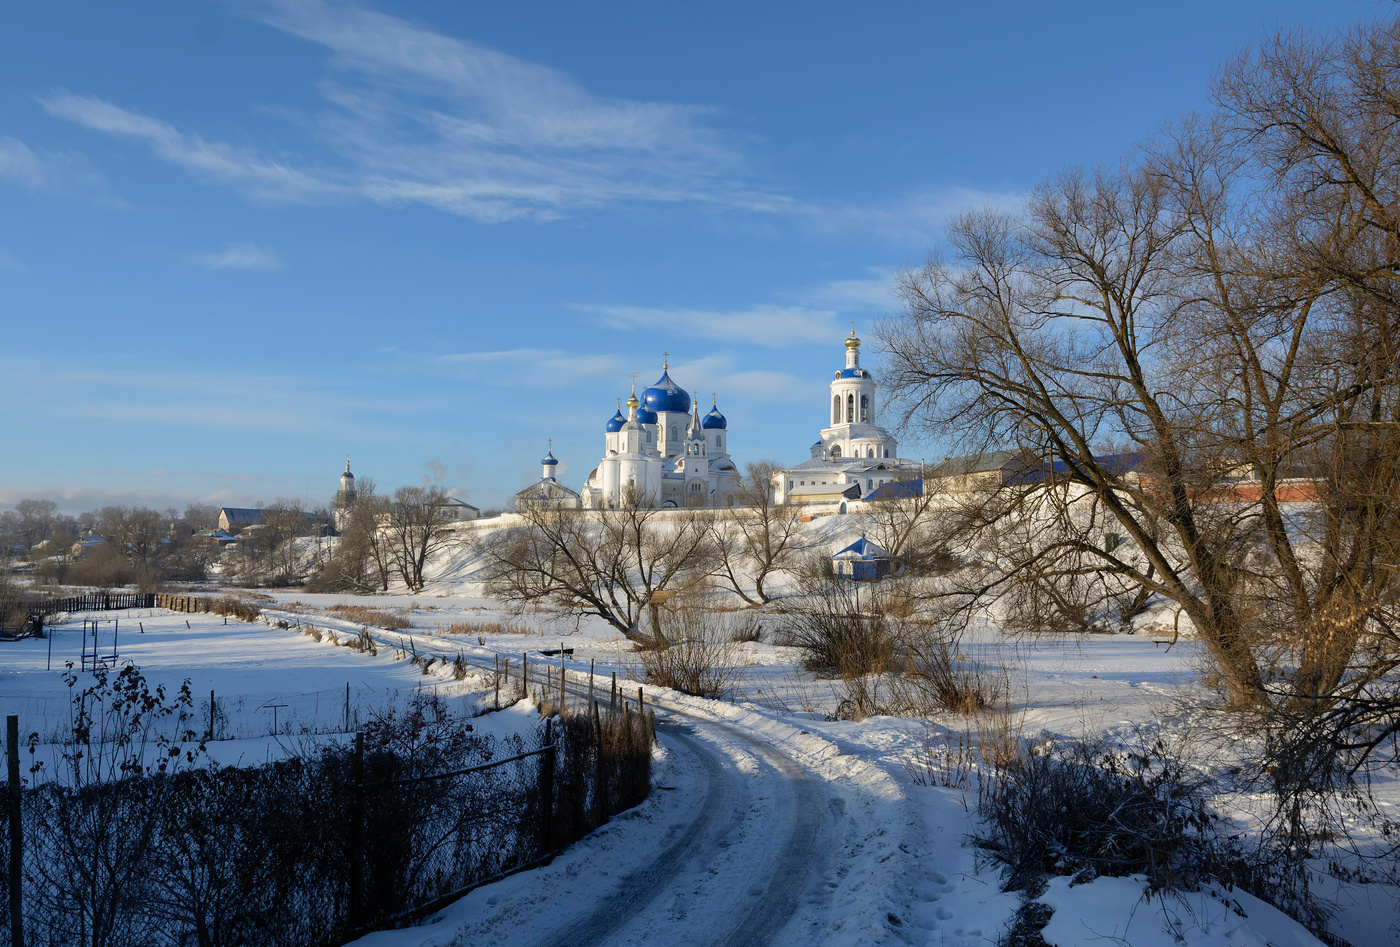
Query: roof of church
[[549, 460], [666, 395], [714, 420], [853, 373], [616, 421]]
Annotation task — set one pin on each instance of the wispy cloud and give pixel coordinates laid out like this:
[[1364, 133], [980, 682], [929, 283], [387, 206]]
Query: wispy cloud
[[720, 374], [853, 295], [45, 170], [917, 218], [206, 160], [540, 368], [773, 326], [416, 116], [9, 263], [240, 256], [208, 399]]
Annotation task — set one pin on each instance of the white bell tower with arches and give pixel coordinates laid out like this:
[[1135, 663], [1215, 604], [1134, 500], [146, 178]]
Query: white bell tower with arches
[[853, 433]]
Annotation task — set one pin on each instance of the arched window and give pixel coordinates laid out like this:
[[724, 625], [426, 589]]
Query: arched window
[[870, 452], [850, 409], [864, 408], [836, 451], [673, 432], [836, 410], [887, 452]]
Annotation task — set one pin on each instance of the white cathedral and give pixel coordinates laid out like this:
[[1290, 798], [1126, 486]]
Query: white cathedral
[[663, 453]]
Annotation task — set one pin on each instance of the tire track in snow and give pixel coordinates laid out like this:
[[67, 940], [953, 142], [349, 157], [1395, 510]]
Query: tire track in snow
[[790, 871], [639, 889]]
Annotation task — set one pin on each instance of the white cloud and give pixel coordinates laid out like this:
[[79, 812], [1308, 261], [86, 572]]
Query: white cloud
[[240, 256], [773, 326], [540, 368], [917, 218], [212, 161], [18, 162], [417, 117], [45, 170]]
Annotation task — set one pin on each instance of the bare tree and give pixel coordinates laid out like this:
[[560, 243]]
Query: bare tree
[[361, 560], [609, 563], [905, 521], [1225, 302], [35, 521], [417, 524], [758, 538]]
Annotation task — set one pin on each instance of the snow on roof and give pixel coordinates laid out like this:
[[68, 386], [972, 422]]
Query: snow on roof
[[862, 549], [897, 490]]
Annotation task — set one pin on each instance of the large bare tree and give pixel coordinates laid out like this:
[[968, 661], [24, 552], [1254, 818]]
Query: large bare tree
[[1225, 303], [613, 564], [417, 524]]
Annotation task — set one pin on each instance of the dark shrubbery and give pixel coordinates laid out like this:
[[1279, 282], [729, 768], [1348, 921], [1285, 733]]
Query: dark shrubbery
[[1087, 809], [136, 841]]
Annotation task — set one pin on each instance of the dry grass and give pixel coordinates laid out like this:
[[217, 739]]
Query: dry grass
[[362, 615], [481, 628]]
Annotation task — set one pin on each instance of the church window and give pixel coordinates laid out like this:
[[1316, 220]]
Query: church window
[[836, 451], [850, 409], [887, 452], [870, 452], [836, 410], [673, 432], [864, 408]]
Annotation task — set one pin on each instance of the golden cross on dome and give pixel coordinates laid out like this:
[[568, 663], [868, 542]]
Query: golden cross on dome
[[665, 360], [551, 445], [634, 383], [714, 399]]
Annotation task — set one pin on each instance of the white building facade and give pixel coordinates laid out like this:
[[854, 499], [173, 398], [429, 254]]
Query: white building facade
[[662, 453], [852, 451]]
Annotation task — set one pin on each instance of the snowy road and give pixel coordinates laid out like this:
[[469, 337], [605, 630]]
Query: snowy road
[[735, 874], [766, 832]]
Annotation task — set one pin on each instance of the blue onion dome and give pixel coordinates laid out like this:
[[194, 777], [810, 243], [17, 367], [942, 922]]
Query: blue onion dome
[[714, 421], [666, 395], [645, 415], [616, 421], [549, 460]]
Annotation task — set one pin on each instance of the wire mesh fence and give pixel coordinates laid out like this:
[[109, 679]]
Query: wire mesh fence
[[219, 717], [316, 849]]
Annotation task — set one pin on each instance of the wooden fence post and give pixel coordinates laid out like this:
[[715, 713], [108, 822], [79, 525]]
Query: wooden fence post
[[357, 830], [16, 833], [561, 680]]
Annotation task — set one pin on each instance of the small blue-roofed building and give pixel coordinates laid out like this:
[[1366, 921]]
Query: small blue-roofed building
[[863, 561]]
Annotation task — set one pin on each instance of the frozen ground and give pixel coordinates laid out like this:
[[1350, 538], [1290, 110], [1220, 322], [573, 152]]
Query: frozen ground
[[772, 824]]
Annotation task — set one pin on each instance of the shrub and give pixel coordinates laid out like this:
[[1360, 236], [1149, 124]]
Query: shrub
[[362, 615], [695, 654], [1086, 809]]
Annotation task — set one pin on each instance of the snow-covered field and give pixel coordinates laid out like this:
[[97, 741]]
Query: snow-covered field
[[773, 823]]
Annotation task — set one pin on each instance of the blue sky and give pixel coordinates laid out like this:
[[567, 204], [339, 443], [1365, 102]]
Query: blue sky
[[239, 241]]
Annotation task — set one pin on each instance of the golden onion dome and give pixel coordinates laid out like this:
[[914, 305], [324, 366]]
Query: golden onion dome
[[853, 342]]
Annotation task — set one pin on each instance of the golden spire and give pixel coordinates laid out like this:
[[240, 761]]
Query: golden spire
[[665, 361], [632, 401]]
